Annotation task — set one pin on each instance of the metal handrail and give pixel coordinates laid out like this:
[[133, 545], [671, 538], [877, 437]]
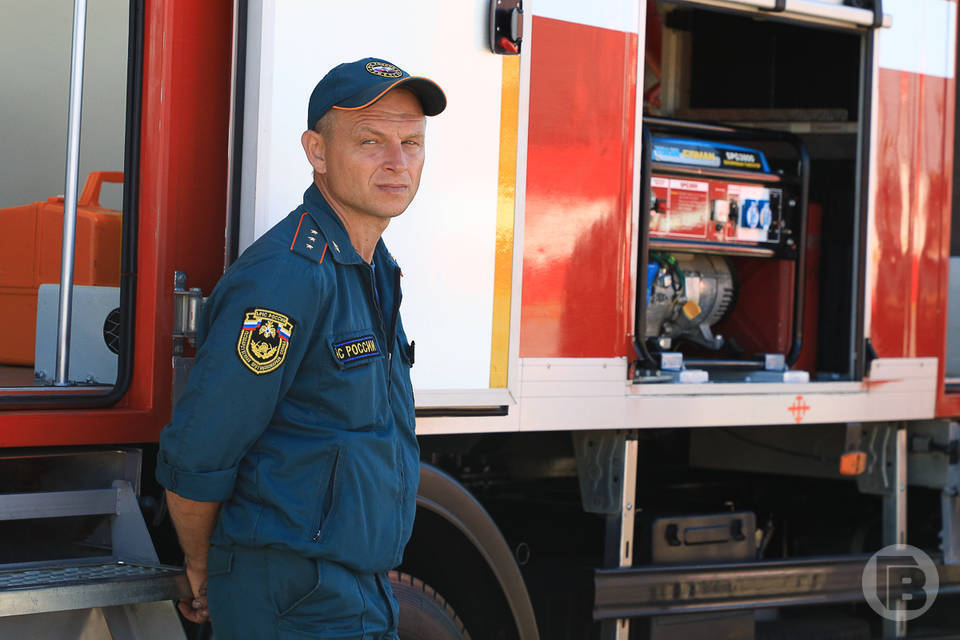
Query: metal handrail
[[68, 250]]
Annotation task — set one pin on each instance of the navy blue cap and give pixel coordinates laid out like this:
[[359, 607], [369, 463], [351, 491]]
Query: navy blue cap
[[356, 85]]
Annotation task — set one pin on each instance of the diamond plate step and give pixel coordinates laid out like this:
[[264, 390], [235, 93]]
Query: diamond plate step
[[43, 589]]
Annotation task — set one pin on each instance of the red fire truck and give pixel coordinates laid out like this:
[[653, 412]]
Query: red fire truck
[[680, 275]]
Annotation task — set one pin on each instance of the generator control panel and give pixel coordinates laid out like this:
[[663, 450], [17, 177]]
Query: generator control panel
[[717, 198]]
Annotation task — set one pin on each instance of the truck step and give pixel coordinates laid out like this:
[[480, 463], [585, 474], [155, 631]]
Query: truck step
[[47, 588]]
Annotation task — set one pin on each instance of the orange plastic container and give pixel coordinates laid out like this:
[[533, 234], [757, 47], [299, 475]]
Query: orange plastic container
[[30, 246]]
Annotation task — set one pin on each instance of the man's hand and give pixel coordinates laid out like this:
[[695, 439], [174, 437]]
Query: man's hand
[[194, 522], [195, 609]]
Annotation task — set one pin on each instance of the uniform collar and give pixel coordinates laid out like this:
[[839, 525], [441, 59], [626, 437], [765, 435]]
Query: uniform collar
[[335, 233]]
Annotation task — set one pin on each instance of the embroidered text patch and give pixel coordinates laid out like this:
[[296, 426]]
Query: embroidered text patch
[[356, 349]]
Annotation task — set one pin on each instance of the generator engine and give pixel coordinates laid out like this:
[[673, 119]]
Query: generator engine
[[723, 251], [688, 294]]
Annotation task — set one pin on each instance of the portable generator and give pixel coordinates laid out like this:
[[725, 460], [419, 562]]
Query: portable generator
[[723, 241]]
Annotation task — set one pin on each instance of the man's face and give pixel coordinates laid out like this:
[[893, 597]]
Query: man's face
[[373, 157]]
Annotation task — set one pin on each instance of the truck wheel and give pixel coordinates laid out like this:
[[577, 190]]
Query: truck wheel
[[424, 614]]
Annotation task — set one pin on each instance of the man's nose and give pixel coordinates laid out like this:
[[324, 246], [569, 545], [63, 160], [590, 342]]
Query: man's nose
[[394, 157]]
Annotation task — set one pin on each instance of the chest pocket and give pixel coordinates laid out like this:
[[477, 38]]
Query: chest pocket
[[406, 351], [355, 349], [404, 347]]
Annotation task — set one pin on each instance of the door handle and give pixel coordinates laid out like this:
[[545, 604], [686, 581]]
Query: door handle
[[506, 26]]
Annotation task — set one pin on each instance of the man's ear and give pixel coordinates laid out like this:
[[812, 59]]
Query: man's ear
[[314, 146]]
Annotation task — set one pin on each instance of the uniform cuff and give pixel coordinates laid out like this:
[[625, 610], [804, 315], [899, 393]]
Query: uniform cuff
[[202, 486]]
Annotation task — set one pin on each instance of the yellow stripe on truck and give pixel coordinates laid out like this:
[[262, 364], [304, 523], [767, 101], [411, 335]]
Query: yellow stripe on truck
[[506, 200]]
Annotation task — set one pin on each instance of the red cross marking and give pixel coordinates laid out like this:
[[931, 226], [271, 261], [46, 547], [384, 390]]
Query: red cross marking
[[799, 409]]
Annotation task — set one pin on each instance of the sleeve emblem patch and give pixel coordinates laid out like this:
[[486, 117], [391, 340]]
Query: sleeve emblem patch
[[264, 339]]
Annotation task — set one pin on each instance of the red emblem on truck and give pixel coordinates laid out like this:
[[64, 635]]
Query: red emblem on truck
[[799, 409]]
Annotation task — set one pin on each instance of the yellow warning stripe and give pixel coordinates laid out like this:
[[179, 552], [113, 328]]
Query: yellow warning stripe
[[506, 200]]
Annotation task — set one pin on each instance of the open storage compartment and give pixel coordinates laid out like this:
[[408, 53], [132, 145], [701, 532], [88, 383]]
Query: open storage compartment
[[753, 197]]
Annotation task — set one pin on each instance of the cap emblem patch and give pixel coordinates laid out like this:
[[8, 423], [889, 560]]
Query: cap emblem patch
[[383, 69], [264, 339]]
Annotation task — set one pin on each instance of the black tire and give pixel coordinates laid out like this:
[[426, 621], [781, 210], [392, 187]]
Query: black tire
[[424, 614]]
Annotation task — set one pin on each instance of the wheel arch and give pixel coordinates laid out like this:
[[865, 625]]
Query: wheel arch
[[442, 495]]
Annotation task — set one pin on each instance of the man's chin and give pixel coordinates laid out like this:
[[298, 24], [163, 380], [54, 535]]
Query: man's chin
[[392, 210]]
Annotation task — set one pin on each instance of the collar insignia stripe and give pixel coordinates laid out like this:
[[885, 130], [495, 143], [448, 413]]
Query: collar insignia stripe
[[264, 340]]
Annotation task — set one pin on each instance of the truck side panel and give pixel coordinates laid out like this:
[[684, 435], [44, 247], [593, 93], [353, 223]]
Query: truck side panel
[[909, 262], [576, 284]]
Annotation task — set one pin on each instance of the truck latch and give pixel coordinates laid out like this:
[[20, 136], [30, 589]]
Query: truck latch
[[506, 26], [186, 311]]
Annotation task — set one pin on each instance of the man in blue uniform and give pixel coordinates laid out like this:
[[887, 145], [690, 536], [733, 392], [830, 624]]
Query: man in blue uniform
[[291, 464]]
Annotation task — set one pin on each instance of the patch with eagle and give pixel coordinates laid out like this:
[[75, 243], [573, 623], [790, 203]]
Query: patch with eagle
[[264, 339]]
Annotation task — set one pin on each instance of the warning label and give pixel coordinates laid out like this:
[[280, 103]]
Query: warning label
[[682, 209]]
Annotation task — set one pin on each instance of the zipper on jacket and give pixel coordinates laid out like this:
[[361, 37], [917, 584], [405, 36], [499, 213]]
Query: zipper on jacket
[[372, 286], [394, 317], [397, 297], [398, 457], [333, 494]]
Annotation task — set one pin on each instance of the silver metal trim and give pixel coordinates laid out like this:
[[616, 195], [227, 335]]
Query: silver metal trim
[[68, 249], [827, 12], [900, 488], [231, 131], [68, 587], [895, 508], [897, 628], [627, 520], [647, 591], [51, 391], [186, 304], [57, 504]]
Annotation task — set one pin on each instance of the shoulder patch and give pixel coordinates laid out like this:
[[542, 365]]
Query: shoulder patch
[[264, 339], [308, 242]]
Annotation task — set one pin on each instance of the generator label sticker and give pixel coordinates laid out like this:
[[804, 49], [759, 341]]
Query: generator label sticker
[[682, 208], [688, 185], [742, 159], [264, 340], [685, 152], [358, 350], [703, 153], [744, 191]]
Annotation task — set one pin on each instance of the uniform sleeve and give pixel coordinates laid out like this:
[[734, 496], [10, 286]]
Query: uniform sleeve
[[258, 326]]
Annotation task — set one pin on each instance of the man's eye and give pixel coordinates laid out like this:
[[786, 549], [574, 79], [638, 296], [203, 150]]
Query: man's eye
[[368, 141], [412, 142]]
